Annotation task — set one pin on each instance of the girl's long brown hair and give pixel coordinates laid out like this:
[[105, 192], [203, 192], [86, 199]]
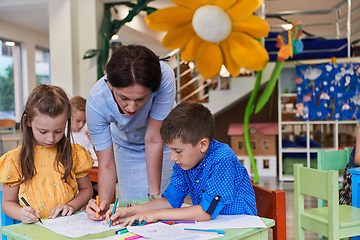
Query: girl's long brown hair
[[51, 101]]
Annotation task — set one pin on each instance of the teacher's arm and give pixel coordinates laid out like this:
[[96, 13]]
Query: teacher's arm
[[106, 182], [153, 155]]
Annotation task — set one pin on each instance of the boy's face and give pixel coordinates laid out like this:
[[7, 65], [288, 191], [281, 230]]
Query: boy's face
[[186, 155], [78, 120]]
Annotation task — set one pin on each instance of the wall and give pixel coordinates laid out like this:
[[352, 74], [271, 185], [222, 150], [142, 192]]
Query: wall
[[235, 114]]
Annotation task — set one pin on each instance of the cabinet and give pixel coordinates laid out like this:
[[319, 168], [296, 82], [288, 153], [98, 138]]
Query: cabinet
[[312, 135]]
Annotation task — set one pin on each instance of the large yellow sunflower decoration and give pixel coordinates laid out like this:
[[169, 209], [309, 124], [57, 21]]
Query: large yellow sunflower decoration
[[213, 33]]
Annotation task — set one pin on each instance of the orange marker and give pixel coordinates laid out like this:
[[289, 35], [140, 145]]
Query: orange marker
[[97, 204]]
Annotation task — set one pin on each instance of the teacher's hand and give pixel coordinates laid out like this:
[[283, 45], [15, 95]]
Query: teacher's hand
[[92, 208]]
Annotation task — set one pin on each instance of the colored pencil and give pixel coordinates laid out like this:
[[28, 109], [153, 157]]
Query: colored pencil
[[205, 230], [114, 209], [97, 204], [178, 221], [26, 203]]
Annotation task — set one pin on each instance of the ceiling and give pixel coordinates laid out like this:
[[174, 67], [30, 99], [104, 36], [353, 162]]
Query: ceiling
[[318, 17]]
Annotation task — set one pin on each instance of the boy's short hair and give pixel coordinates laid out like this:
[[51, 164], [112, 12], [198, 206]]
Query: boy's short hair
[[78, 103], [189, 121]]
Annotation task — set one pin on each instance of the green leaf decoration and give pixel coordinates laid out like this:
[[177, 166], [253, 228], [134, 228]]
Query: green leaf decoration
[[264, 98], [91, 53]]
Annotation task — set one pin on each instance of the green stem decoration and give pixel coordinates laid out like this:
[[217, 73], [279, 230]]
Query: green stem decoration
[[248, 112], [264, 98]]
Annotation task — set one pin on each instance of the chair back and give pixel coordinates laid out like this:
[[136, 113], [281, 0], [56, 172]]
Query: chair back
[[5, 220], [8, 124], [333, 160], [272, 204], [319, 184]]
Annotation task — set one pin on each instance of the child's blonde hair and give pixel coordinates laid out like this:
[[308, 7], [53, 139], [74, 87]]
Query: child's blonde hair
[[51, 101], [78, 103]]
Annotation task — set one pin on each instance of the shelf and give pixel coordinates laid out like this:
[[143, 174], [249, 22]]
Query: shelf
[[288, 95], [289, 122]]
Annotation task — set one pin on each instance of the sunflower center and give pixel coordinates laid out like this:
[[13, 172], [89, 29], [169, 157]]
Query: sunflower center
[[211, 23]]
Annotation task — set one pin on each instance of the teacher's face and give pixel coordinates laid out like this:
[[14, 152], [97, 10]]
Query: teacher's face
[[131, 99]]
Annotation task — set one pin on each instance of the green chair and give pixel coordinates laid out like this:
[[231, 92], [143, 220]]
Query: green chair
[[332, 160], [334, 221]]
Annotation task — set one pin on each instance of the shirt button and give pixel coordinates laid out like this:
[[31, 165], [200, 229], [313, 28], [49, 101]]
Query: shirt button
[[197, 181]]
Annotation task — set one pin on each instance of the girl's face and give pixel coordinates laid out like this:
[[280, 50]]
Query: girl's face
[[131, 99], [48, 131], [78, 120]]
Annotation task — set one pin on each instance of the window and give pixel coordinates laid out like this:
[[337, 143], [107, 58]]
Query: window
[[10, 92], [242, 161], [266, 145], [42, 66], [253, 145], [240, 145], [266, 164]]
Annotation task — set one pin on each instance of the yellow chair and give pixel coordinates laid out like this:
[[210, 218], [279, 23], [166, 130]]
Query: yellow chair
[[8, 125], [334, 221]]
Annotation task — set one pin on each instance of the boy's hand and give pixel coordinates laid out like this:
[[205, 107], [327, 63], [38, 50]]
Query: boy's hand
[[121, 214], [92, 208], [148, 216], [64, 210], [29, 215]]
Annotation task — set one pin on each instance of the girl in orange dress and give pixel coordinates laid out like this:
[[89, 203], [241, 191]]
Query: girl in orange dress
[[47, 170]]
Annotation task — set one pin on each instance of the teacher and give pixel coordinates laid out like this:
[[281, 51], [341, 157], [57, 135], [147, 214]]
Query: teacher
[[124, 112]]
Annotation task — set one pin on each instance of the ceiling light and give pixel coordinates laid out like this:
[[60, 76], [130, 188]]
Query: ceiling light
[[9, 43], [114, 37], [287, 26]]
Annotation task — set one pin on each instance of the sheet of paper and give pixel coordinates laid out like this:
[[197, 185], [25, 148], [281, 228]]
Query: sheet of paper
[[227, 221], [76, 225], [162, 231]]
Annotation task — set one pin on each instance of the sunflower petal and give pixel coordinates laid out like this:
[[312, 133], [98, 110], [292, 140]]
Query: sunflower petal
[[224, 4], [247, 52], [178, 37], [254, 26], [191, 4], [189, 51], [243, 9], [209, 60], [230, 64], [169, 18]]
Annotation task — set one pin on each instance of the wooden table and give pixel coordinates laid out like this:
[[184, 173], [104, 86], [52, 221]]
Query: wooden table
[[33, 231]]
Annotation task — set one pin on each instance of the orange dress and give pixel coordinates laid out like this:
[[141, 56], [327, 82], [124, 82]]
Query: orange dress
[[46, 189]]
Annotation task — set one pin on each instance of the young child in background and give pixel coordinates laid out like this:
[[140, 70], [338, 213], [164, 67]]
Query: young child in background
[[205, 168], [78, 121], [47, 170]]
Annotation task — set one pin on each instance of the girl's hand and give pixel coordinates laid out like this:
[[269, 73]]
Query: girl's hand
[[64, 210], [148, 216], [121, 214], [29, 215], [92, 208]]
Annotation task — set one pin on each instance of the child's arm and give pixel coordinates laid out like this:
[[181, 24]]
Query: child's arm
[[11, 207], [85, 193], [185, 213]]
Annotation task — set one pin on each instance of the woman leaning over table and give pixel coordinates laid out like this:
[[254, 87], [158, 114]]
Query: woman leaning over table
[[124, 112]]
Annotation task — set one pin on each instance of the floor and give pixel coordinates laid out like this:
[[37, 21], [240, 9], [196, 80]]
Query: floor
[[272, 183]]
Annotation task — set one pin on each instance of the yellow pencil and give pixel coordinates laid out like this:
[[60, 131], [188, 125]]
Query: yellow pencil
[[97, 204]]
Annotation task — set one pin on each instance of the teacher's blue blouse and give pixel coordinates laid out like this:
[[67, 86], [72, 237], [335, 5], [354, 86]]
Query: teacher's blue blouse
[[220, 184]]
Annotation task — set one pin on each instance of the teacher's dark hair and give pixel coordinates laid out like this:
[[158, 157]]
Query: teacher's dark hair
[[134, 64]]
